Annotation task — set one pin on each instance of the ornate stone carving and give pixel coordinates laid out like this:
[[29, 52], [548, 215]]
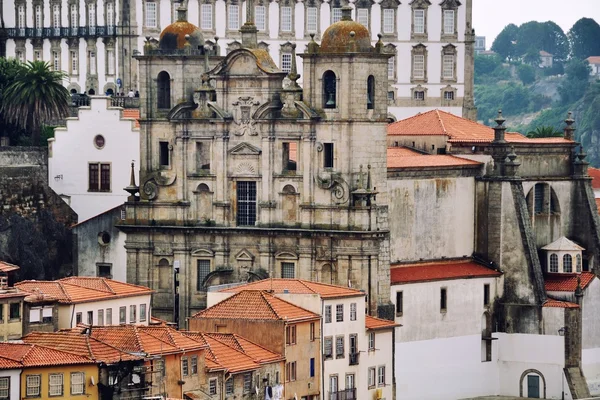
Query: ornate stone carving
[[150, 190], [243, 116]]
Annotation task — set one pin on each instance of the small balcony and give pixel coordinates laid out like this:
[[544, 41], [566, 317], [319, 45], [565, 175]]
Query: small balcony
[[353, 358], [346, 394]]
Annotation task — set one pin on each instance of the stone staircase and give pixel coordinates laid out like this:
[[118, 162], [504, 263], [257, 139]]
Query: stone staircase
[[577, 383]]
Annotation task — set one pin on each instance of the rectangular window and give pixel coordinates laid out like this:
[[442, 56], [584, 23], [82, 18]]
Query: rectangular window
[[90, 318], [77, 383], [419, 95], [328, 347], [448, 95], [56, 16], [110, 62], [206, 19], [399, 303], [352, 311], [290, 154], [362, 16], [419, 66], [202, 156], [109, 316], [163, 148], [21, 16], [5, 388], [350, 381], [288, 270], [99, 177], [56, 61], [486, 294], [290, 371], [312, 331], [311, 20], [104, 270], [38, 17], [74, 16], [339, 313], [336, 15], [91, 15], [371, 340], [247, 382], [381, 375], [74, 62], [142, 312], [151, 14], [110, 14], [202, 270], [449, 22], [132, 314], [339, 347], [34, 315], [389, 16], [233, 19], [327, 314], [194, 364], [55, 384], [100, 317], [229, 386], [311, 373], [212, 387], [391, 67], [419, 21], [184, 366], [327, 155], [448, 66], [15, 311], [78, 318], [34, 383], [260, 19], [372, 377], [246, 203], [290, 335], [443, 300], [46, 315], [286, 19], [122, 315], [286, 62], [92, 62]]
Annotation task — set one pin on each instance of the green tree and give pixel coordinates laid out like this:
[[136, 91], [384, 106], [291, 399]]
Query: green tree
[[35, 97], [584, 38], [535, 36], [9, 70], [532, 57], [485, 65], [504, 44], [526, 74], [555, 41], [576, 82], [544, 131]]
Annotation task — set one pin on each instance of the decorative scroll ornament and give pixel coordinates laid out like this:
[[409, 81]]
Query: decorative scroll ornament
[[243, 116], [150, 190], [334, 182]]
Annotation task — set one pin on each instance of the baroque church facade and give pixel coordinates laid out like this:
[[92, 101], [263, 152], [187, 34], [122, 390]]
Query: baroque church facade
[[243, 178]]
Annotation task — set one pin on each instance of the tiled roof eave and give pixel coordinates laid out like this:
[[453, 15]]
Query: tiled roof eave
[[492, 274], [112, 297], [384, 328], [436, 167]]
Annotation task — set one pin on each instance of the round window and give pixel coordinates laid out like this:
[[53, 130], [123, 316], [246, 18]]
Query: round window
[[99, 141], [104, 238]]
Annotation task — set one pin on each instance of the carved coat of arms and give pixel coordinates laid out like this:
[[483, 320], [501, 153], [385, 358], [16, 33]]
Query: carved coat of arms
[[243, 116]]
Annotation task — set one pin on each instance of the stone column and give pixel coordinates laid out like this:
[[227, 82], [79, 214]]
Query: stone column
[[469, 110]]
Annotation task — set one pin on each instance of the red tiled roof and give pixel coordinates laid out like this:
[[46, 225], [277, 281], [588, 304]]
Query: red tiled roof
[[457, 129], [430, 161], [552, 303], [372, 323], [402, 151], [132, 113], [7, 267], [439, 270], [297, 286], [593, 59], [257, 305], [82, 289], [32, 355], [567, 282], [598, 204], [595, 174]]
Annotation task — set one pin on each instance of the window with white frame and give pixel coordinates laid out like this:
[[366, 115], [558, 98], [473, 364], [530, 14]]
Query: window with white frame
[[56, 16], [151, 16], [55, 384], [109, 316], [122, 315], [247, 382], [362, 16], [56, 60], [336, 15], [352, 311], [578, 263], [184, 366], [92, 62], [419, 21], [328, 347], [101, 317], [91, 15], [418, 66], [229, 386], [339, 347], [206, 16], [371, 379], [312, 20], [77, 383], [174, 14], [212, 387], [110, 61], [389, 16], [132, 313], [74, 16], [286, 19], [381, 375], [567, 263], [74, 62], [21, 16], [39, 17], [194, 365], [448, 66], [327, 314], [448, 22], [5, 388], [448, 95], [142, 312], [391, 67], [233, 17], [371, 340], [339, 313], [260, 18], [286, 62], [246, 200], [110, 14], [34, 384], [419, 95]]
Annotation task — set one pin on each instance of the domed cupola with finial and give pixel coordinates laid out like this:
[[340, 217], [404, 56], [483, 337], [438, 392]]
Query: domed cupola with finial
[[345, 76], [180, 34]]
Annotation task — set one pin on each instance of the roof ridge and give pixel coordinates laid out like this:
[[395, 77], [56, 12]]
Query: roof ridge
[[254, 344], [31, 346], [263, 294], [411, 117], [110, 289], [437, 112]]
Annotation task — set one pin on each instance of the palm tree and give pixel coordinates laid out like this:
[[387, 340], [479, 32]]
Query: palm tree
[[543, 132], [35, 97]]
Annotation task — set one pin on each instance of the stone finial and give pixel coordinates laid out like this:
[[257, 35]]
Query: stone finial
[[511, 163], [379, 44], [248, 30], [499, 129], [346, 13], [569, 128], [580, 165], [132, 189], [217, 48], [293, 75], [181, 13], [312, 47], [369, 177]]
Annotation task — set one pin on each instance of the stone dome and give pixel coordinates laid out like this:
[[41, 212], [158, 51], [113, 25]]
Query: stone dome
[[346, 36], [173, 36]]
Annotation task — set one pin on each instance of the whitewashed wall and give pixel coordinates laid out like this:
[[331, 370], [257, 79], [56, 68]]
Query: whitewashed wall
[[591, 336], [67, 314]]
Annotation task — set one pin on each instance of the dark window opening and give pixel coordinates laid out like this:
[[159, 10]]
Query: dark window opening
[[203, 269], [163, 83], [328, 155], [370, 92], [202, 156], [164, 154], [90, 318], [390, 96], [539, 198], [441, 150], [77, 318], [14, 311], [399, 303], [448, 95], [486, 294], [290, 156], [246, 203], [99, 177], [104, 270], [288, 270], [329, 89], [419, 95], [443, 300]]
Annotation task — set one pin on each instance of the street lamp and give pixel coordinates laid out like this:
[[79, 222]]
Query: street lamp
[[562, 331]]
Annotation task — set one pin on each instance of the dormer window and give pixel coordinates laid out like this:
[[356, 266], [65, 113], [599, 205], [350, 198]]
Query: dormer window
[[560, 255]]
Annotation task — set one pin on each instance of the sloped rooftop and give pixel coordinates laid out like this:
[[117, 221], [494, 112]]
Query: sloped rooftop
[[438, 271], [563, 244], [20, 355], [567, 282], [297, 286]]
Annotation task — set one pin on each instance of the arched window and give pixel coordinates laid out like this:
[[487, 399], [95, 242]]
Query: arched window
[[370, 92], [578, 263], [164, 274], [163, 86], [553, 263], [329, 89], [567, 263]]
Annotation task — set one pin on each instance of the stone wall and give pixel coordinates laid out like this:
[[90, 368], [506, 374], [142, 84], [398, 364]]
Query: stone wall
[[34, 220]]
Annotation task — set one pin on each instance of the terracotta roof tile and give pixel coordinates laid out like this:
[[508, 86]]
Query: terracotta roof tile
[[402, 151], [567, 282], [595, 174], [33, 355], [256, 305], [132, 113], [593, 60], [297, 286], [457, 129], [372, 323], [439, 270], [552, 303], [7, 267], [424, 161], [251, 349], [598, 204], [82, 289]]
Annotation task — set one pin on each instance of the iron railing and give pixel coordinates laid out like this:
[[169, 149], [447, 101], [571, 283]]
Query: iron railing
[[65, 32], [346, 394]]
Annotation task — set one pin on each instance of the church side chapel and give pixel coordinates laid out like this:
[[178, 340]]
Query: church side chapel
[[245, 175]]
